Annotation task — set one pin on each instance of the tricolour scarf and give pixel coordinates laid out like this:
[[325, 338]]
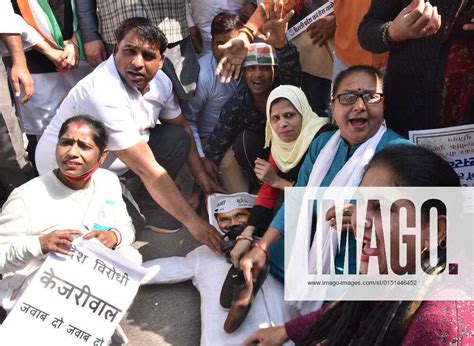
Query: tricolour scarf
[[40, 16]]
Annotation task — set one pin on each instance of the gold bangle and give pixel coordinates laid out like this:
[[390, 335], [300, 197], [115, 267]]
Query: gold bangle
[[247, 31], [244, 237]]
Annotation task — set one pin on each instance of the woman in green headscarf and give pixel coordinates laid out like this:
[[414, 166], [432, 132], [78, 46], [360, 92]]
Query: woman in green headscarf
[[291, 127]]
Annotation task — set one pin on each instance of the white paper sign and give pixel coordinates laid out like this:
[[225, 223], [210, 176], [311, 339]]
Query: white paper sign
[[74, 300], [455, 144], [303, 24]]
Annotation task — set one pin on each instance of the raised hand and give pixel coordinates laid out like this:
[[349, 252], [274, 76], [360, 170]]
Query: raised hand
[[275, 26], [235, 50], [234, 53]]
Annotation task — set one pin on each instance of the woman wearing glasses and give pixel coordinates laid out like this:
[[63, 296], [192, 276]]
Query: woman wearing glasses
[[335, 158]]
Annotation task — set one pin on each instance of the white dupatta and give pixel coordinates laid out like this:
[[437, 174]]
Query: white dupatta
[[349, 176]]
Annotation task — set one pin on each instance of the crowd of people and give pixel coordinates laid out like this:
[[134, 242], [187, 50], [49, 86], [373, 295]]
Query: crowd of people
[[106, 92]]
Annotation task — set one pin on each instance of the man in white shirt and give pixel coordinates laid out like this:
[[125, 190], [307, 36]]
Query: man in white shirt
[[130, 94]]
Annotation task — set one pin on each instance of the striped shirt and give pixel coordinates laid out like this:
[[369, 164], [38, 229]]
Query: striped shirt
[[169, 15]]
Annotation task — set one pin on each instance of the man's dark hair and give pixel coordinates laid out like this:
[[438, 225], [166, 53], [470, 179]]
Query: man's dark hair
[[372, 71], [99, 134], [145, 30], [225, 22]]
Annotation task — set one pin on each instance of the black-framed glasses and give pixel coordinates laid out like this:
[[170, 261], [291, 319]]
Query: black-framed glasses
[[347, 99]]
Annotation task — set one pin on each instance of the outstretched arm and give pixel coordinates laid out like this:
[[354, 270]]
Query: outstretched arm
[[139, 158], [235, 50]]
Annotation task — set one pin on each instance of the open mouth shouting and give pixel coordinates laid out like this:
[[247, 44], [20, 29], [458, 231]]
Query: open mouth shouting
[[358, 123]]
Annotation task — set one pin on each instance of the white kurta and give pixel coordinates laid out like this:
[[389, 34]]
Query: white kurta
[[208, 271], [43, 205]]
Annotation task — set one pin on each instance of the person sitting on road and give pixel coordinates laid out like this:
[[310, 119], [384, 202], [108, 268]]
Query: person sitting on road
[[290, 129], [238, 138], [148, 133], [46, 213], [334, 158]]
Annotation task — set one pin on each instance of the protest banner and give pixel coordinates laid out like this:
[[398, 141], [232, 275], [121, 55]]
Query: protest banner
[[77, 299], [304, 23], [455, 144]]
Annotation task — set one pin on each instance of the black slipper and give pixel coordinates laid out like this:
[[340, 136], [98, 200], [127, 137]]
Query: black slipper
[[242, 298], [233, 277]]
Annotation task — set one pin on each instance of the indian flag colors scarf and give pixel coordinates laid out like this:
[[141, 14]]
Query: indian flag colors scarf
[[39, 15]]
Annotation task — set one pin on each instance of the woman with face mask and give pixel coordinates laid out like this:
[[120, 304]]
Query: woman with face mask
[[388, 322], [45, 214]]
